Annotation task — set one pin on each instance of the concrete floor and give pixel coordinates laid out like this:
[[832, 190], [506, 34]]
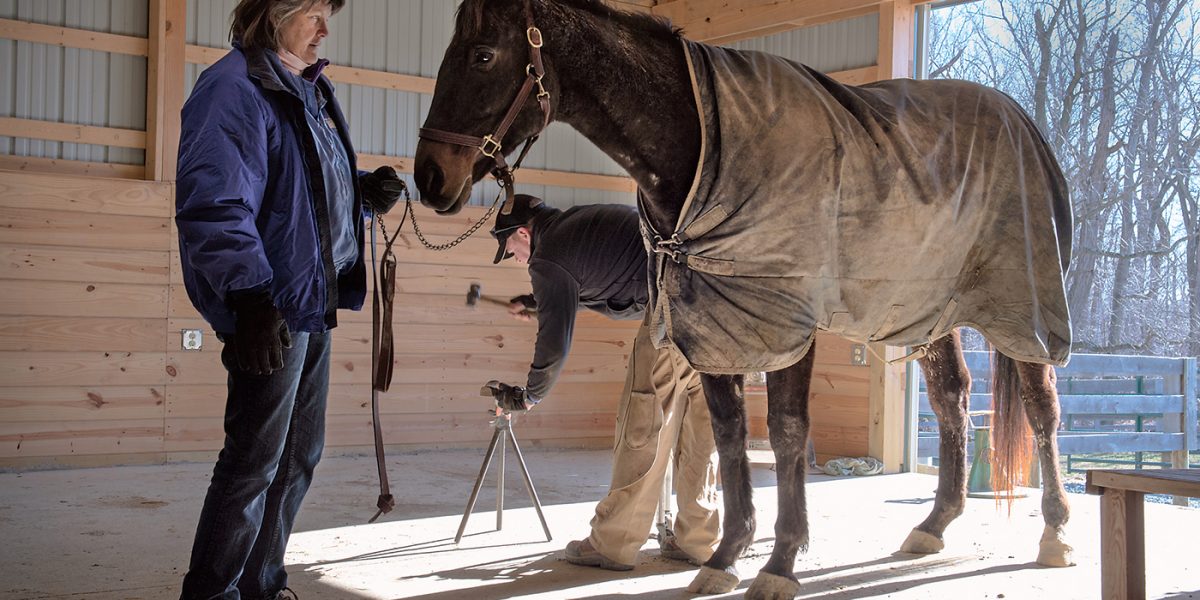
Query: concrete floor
[[125, 532]]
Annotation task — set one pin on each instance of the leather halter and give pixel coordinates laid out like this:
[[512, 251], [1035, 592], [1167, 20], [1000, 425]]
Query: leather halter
[[489, 145]]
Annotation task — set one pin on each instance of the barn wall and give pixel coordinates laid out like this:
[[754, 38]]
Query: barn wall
[[91, 363]]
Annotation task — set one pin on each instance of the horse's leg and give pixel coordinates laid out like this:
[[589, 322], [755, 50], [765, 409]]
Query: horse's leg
[[787, 421], [1040, 398], [728, 410], [949, 388]]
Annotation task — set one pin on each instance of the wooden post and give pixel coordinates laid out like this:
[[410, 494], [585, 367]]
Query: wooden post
[[1123, 546], [1191, 428], [164, 87], [1177, 422], [885, 407], [885, 396], [895, 39]]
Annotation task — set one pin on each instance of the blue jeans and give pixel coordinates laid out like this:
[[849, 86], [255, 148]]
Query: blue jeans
[[274, 434]]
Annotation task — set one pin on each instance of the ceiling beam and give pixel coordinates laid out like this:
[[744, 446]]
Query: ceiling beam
[[725, 21]]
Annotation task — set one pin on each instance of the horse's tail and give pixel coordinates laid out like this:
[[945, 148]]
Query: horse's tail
[[1012, 447]]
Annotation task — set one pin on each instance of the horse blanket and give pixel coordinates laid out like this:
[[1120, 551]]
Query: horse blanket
[[891, 212]]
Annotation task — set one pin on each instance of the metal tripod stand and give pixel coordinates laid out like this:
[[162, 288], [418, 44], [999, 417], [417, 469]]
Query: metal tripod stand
[[503, 424]]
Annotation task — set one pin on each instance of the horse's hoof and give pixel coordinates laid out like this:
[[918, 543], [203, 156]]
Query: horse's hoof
[[1054, 552], [712, 581], [768, 586], [919, 542]]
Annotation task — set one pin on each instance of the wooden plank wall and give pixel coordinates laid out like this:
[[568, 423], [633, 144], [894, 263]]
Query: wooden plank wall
[[92, 370]]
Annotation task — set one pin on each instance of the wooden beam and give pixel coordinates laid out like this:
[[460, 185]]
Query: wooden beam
[[58, 166], [895, 39], [164, 87], [725, 21], [341, 74], [885, 405], [72, 133], [856, 76], [67, 37]]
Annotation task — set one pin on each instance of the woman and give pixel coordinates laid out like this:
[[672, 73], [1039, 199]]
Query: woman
[[270, 216]]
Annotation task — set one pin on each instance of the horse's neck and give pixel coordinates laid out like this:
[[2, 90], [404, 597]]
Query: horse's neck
[[630, 94]]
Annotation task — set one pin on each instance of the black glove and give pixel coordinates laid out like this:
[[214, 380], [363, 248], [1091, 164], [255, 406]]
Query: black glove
[[527, 300], [511, 398], [381, 189], [261, 333]]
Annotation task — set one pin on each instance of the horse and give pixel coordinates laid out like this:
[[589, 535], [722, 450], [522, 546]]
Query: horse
[[630, 84]]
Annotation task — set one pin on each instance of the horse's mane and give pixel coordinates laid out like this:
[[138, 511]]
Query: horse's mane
[[470, 16]]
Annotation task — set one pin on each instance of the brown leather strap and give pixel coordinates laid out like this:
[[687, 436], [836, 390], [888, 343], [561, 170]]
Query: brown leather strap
[[382, 352]]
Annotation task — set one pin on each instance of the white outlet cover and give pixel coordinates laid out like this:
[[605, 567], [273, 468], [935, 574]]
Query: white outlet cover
[[193, 339]]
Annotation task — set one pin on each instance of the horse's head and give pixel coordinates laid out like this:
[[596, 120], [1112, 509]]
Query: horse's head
[[490, 61]]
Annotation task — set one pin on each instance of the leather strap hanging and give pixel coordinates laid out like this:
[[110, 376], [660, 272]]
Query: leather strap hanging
[[382, 348]]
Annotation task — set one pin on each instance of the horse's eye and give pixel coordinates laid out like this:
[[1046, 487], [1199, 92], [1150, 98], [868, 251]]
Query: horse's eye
[[483, 56]]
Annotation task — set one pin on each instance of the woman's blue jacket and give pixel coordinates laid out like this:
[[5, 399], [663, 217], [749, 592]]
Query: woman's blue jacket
[[250, 198]]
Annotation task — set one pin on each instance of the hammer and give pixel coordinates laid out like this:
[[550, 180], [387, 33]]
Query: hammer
[[474, 295]]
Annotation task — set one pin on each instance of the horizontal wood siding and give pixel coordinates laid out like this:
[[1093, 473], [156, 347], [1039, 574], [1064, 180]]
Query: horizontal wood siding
[[91, 365]]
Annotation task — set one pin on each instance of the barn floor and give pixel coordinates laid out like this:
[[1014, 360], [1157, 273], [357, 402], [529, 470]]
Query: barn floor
[[125, 532]]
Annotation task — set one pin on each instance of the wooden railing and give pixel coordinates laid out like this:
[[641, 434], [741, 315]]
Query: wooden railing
[[1103, 387]]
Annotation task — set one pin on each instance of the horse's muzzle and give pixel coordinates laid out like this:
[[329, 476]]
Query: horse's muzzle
[[443, 176]]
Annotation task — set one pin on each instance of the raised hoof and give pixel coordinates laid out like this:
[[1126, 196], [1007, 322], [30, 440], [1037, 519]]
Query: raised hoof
[[768, 586], [712, 581], [1055, 553], [919, 542]]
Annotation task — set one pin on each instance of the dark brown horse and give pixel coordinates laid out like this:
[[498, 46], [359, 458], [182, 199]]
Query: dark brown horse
[[627, 83]]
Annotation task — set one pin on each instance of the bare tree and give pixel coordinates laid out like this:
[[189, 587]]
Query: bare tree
[[1113, 85]]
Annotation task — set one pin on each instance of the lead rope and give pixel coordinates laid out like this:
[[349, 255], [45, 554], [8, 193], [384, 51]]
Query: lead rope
[[384, 278]]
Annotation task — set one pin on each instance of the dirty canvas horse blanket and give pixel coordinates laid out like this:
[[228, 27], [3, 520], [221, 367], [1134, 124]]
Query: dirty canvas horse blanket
[[891, 212]]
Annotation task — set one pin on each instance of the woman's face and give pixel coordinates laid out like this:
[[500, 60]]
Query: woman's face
[[303, 32]]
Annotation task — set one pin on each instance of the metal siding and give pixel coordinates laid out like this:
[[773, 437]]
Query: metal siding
[[837, 46], [52, 83]]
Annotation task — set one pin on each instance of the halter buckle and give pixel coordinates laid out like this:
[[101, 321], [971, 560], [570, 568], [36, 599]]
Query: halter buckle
[[534, 35], [488, 139]]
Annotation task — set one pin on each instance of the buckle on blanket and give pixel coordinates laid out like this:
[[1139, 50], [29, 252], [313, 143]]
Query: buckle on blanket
[[669, 246]]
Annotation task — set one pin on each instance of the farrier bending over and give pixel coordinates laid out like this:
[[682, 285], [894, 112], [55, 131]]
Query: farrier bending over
[[593, 256]]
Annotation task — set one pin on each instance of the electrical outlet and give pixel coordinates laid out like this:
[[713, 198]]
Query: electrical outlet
[[193, 339], [858, 355]]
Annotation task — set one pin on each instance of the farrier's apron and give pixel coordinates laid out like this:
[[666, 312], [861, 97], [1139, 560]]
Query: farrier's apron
[[891, 212]]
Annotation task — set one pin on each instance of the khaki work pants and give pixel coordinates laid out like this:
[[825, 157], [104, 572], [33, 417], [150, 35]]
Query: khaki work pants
[[662, 415]]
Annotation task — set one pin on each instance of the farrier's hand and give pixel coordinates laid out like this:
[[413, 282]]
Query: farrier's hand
[[382, 189], [511, 398], [261, 333], [522, 307]]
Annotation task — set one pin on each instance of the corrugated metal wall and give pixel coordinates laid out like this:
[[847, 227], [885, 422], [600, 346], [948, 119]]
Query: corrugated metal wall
[[837, 46], [71, 85]]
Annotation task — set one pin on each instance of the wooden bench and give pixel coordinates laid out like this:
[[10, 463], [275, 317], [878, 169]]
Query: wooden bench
[[1122, 528]]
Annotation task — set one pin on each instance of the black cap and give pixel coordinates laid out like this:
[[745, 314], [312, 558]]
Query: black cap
[[524, 208]]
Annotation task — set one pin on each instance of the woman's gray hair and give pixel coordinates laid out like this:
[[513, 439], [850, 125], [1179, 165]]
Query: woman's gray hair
[[256, 23]]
